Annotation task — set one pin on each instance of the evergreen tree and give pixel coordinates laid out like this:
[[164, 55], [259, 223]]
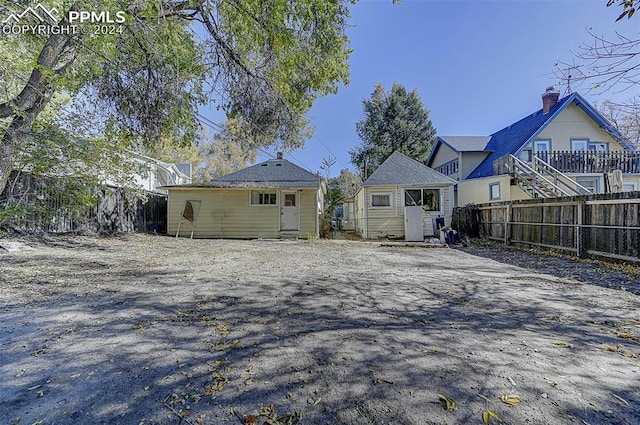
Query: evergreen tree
[[394, 121]]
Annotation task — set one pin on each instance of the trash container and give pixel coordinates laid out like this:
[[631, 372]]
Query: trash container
[[438, 223]]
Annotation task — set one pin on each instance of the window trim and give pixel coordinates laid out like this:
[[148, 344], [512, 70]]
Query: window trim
[[628, 182], [263, 192], [422, 189], [389, 194], [573, 147], [594, 144], [589, 145], [546, 141], [582, 179], [491, 186]]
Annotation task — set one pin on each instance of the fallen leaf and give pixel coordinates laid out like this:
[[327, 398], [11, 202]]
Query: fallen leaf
[[510, 399], [484, 398], [447, 402], [488, 414], [249, 420], [563, 344]]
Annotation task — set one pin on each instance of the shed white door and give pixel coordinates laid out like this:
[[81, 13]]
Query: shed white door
[[289, 211], [413, 224]]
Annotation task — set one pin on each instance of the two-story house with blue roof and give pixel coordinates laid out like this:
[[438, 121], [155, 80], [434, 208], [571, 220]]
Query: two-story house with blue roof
[[564, 149]]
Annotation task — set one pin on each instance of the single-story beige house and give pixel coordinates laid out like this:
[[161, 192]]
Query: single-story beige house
[[401, 199], [272, 199]]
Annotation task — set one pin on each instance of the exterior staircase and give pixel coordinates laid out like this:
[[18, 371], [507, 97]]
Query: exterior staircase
[[540, 180]]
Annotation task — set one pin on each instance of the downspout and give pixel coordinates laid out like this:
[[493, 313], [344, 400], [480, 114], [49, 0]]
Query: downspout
[[365, 209], [318, 212]]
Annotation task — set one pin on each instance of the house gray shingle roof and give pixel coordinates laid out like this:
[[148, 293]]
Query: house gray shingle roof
[[271, 174], [466, 143], [399, 169]]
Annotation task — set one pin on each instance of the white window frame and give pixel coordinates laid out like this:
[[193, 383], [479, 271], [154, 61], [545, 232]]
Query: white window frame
[[546, 142], [422, 189], [583, 145], [593, 146], [262, 192], [389, 194], [491, 195], [589, 180], [627, 183], [579, 145]]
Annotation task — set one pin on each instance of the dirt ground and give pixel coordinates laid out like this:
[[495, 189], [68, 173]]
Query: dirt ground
[[147, 329]]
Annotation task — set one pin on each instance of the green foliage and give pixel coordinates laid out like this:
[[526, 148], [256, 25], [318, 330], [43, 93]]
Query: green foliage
[[628, 7], [278, 57], [394, 121], [214, 155], [264, 63]]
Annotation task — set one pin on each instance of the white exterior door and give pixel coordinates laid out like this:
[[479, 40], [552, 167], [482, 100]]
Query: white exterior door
[[413, 224], [289, 211]]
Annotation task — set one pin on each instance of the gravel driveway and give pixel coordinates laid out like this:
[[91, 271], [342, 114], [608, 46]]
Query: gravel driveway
[[153, 330]]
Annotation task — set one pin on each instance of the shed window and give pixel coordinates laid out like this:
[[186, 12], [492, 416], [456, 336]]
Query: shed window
[[427, 198], [380, 200], [263, 198]]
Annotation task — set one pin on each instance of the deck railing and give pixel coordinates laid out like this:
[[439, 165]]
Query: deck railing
[[592, 162], [581, 162]]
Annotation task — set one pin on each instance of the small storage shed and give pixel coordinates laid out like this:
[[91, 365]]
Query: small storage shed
[[272, 199], [401, 199]]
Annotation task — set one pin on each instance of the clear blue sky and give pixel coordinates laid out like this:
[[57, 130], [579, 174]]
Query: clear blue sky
[[477, 65]]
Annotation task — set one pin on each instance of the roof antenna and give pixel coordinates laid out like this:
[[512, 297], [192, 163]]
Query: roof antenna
[[568, 90]]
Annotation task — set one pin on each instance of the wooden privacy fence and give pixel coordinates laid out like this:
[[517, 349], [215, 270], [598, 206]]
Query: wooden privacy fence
[[115, 211], [594, 225]]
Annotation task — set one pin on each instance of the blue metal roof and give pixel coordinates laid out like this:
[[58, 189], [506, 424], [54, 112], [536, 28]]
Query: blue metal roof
[[510, 139]]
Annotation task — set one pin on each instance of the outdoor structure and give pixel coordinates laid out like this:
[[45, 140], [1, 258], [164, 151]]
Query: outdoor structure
[[272, 199], [133, 204], [156, 174], [566, 148], [400, 200]]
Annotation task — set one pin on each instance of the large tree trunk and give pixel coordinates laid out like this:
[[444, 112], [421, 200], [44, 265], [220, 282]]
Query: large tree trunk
[[18, 129], [23, 109]]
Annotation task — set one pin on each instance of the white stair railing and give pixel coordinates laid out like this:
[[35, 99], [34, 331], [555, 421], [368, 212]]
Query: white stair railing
[[542, 180], [560, 179]]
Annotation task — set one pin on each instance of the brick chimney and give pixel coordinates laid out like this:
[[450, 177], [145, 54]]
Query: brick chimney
[[549, 99]]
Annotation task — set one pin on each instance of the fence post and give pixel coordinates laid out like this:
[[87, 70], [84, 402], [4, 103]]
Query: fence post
[[507, 219], [579, 227]]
